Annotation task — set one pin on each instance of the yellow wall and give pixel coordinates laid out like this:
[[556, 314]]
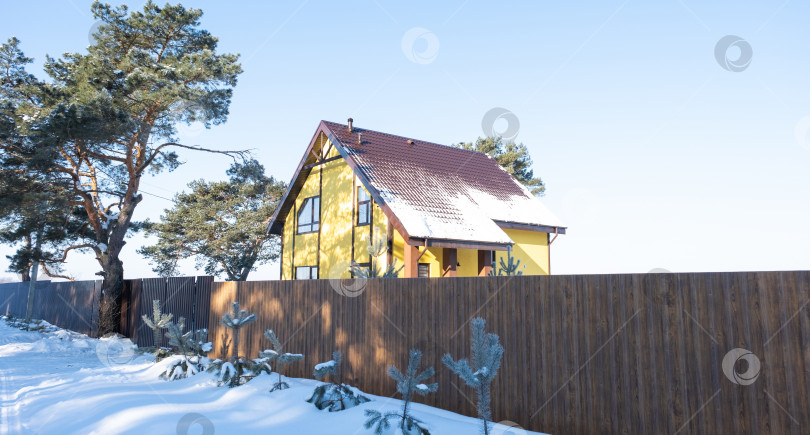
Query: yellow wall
[[337, 224], [531, 248]]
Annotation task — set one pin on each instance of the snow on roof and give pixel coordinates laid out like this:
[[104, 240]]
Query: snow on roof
[[441, 192]]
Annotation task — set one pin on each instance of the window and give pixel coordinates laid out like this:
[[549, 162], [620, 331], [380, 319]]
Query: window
[[424, 270], [309, 216], [493, 259], [306, 272], [363, 207]]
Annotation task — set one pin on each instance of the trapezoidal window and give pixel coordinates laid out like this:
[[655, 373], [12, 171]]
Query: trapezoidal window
[[309, 216], [363, 207]]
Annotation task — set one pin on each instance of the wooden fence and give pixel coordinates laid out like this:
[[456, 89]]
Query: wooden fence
[[75, 305], [583, 354]]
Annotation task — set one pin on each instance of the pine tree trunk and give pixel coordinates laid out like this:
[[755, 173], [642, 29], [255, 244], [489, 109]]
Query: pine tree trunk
[[25, 274], [236, 344], [484, 411], [112, 288], [158, 338]]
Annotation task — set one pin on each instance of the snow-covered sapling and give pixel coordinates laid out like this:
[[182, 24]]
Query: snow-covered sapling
[[334, 396], [281, 359], [232, 372], [191, 347], [486, 360], [235, 321], [407, 384], [157, 323]]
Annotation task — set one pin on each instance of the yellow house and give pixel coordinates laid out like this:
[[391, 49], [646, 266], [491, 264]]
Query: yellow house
[[441, 211]]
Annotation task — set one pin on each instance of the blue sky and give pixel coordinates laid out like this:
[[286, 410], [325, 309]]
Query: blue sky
[[654, 155]]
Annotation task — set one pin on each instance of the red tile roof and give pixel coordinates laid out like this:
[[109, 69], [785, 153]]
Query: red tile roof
[[437, 191]]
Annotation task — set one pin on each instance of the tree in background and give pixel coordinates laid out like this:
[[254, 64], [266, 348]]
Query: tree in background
[[35, 211], [222, 225], [39, 220], [108, 116], [514, 158]]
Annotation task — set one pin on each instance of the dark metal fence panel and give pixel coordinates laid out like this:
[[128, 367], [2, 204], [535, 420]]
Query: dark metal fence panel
[[202, 304], [13, 298], [180, 299], [70, 305], [151, 289]]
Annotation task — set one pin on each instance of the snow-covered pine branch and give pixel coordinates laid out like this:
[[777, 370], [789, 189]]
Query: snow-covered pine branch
[[334, 396], [281, 358]]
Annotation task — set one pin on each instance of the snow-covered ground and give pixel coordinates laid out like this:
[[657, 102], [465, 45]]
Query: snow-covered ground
[[62, 382]]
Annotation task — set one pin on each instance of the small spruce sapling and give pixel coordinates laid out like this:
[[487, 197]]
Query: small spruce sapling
[[510, 268], [334, 396], [407, 384], [486, 360], [234, 372], [158, 323], [280, 358], [192, 348]]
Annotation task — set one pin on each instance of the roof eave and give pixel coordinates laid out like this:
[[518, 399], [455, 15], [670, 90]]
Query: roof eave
[[531, 227]]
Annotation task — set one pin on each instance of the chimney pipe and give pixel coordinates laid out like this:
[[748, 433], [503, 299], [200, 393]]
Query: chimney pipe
[[350, 124]]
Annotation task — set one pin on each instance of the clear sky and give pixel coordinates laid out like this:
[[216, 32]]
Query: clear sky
[[657, 151]]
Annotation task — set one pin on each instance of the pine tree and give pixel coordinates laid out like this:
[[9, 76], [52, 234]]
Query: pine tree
[[157, 323], [334, 396], [407, 384], [510, 268], [514, 158], [478, 374], [280, 358], [220, 224], [108, 115]]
